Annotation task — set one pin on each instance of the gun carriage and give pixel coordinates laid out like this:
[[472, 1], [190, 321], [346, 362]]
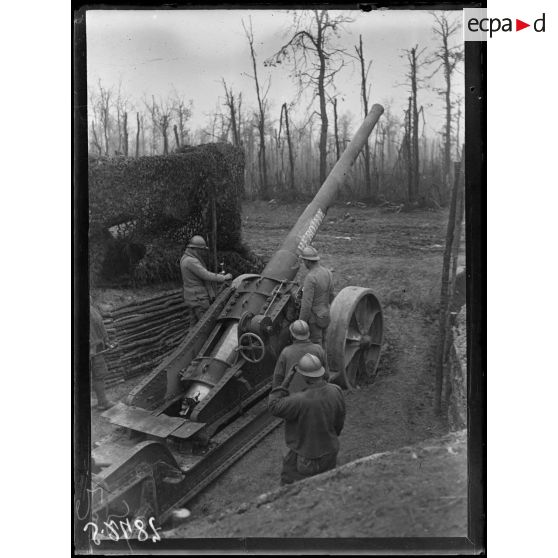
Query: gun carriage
[[204, 405]]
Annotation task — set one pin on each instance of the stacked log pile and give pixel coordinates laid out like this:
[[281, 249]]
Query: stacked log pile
[[145, 331]]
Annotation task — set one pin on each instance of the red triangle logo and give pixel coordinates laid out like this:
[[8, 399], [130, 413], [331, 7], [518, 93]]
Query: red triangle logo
[[519, 25]]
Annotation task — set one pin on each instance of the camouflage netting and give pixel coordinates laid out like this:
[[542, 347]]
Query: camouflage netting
[[143, 211]]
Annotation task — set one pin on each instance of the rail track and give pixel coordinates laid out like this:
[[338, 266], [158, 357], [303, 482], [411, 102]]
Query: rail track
[[170, 484]]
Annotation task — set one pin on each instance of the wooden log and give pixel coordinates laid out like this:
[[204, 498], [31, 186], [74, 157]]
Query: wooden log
[[151, 324], [141, 317], [179, 302], [146, 303], [179, 327]]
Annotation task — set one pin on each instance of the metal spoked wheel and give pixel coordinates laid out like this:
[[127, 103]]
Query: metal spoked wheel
[[251, 347], [354, 336]]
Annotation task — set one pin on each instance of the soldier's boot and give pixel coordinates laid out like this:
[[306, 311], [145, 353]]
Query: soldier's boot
[[102, 402]]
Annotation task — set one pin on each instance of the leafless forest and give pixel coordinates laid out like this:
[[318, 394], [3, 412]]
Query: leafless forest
[[288, 156]]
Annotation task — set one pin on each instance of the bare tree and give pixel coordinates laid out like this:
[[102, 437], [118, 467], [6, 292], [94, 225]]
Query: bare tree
[[182, 111], [447, 57], [262, 105], [285, 116], [104, 110], [382, 159], [95, 139], [153, 114], [120, 105], [230, 102], [336, 128], [161, 115], [315, 61], [409, 151], [125, 133], [415, 62], [365, 95], [458, 102], [137, 134]]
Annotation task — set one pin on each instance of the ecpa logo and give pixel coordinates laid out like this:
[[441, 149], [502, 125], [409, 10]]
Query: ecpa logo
[[477, 26]]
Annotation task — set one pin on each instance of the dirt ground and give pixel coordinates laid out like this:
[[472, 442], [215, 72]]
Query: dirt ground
[[398, 256], [416, 491]]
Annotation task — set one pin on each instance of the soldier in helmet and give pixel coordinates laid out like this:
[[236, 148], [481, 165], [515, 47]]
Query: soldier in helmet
[[290, 355], [317, 295], [98, 343], [196, 279], [314, 419]]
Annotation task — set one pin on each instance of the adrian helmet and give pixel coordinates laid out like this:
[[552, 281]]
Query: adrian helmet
[[310, 366], [299, 330], [197, 242], [310, 253]]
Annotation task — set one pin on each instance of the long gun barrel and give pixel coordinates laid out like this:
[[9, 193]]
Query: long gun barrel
[[283, 265]]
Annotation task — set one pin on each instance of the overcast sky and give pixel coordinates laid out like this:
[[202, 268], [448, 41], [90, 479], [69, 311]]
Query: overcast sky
[[151, 52]]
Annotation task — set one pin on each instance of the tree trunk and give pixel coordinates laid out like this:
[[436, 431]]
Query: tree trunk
[[263, 165], [119, 126], [236, 139], [164, 131], [229, 101], [143, 140], [214, 227], [445, 290], [382, 163], [176, 138], [364, 94], [137, 134], [125, 133], [261, 124], [323, 113], [291, 157], [458, 128], [239, 112], [336, 130], [460, 208], [105, 131], [416, 179], [96, 139], [410, 195], [447, 145]]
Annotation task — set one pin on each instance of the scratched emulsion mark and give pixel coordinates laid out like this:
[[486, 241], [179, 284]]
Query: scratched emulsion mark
[[111, 530], [137, 529], [311, 230]]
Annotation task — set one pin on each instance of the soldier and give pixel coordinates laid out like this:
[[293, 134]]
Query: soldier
[[98, 342], [196, 279], [317, 295], [314, 419], [291, 354]]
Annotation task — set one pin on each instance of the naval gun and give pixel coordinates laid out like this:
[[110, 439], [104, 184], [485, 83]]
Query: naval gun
[[204, 406]]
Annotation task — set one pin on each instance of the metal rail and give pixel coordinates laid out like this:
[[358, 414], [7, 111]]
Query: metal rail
[[232, 444], [226, 447]]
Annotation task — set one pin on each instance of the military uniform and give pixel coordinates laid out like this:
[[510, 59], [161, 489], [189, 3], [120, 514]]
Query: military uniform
[[289, 357], [196, 283], [98, 341], [314, 419], [317, 295]]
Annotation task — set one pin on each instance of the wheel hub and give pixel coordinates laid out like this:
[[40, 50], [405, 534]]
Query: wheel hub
[[365, 341]]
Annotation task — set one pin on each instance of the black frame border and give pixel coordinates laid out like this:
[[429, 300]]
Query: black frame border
[[475, 179]]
